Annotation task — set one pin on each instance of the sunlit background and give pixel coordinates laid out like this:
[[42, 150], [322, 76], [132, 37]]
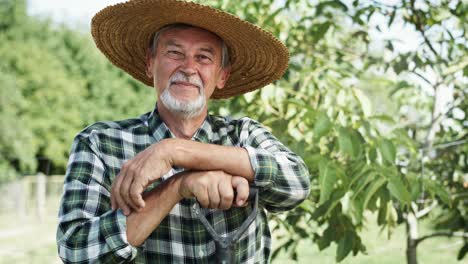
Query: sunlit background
[[409, 115]]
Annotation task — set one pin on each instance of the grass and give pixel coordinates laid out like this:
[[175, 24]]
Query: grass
[[382, 250], [29, 240]]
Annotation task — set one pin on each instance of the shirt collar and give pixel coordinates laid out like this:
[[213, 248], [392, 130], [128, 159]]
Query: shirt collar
[[204, 133], [157, 127], [159, 130]]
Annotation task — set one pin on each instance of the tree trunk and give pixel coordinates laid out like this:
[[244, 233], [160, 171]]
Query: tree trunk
[[412, 236]]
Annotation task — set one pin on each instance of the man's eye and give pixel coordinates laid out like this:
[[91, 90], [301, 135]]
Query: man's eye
[[175, 54], [204, 58]]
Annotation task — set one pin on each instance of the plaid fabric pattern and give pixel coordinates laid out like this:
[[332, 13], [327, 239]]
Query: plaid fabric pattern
[[90, 232]]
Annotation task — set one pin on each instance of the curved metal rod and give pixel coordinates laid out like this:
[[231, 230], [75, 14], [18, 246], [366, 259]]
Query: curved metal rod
[[226, 241]]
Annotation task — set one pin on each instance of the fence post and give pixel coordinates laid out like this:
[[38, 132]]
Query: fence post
[[41, 195], [20, 201]]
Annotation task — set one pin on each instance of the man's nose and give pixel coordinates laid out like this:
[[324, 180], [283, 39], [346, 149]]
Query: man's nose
[[189, 66]]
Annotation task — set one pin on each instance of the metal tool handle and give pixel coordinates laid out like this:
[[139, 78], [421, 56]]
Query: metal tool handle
[[226, 246]]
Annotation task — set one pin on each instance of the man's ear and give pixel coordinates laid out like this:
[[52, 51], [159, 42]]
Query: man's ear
[[149, 63], [223, 77]]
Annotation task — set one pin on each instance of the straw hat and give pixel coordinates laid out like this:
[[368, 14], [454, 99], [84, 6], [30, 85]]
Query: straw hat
[[123, 32]]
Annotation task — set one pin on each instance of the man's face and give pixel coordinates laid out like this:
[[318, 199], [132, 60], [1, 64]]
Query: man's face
[[186, 68]]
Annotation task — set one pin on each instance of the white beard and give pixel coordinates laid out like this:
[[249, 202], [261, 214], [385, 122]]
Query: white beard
[[184, 109]]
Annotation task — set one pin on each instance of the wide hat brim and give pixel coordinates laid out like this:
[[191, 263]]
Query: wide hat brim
[[123, 32]]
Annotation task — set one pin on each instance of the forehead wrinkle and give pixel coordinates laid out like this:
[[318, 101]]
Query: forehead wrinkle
[[172, 42], [208, 49]]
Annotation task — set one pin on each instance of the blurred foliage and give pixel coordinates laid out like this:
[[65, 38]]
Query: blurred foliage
[[371, 124], [54, 83], [367, 121]]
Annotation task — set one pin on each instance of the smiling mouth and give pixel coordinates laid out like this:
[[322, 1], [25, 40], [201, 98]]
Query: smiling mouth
[[187, 84]]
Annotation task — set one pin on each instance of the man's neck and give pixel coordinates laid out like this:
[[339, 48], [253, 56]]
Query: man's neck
[[181, 127]]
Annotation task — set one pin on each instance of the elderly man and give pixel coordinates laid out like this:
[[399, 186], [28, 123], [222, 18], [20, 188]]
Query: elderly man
[[130, 184]]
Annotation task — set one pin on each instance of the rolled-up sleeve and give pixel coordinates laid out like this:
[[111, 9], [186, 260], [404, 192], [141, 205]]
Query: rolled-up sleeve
[[281, 175], [89, 231]]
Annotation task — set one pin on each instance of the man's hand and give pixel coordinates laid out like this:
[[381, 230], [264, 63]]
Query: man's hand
[[135, 175], [214, 189]]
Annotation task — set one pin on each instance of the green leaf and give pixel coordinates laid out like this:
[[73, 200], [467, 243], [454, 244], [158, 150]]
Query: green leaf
[[280, 249], [326, 239], [372, 154], [392, 17], [383, 118], [414, 185], [392, 215], [367, 177], [322, 125], [362, 98], [358, 209], [387, 149], [401, 64], [389, 45], [462, 252], [438, 189], [327, 179], [391, 219], [349, 142], [344, 141], [272, 16], [326, 208], [344, 246], [335, 4], [320, 30], [382, 215], [401, 85], [372, 189], [398, 189], [307, 206]]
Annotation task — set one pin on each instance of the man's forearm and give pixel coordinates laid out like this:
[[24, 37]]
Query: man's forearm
[[201, 156], [159, 202]]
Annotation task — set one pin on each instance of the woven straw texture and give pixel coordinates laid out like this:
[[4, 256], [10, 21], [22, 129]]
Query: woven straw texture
[[123, 31]]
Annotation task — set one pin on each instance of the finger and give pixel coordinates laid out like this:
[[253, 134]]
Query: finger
[[227, 194], [125, 188], [117, 197], [136, 197], [138, 185], [202, 196], [213, 195], [115, 191], [241, 185]]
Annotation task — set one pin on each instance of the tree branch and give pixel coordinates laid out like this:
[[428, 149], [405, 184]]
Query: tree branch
[[419, 27], [434, 122], [453, 106], [385, 5], [422, 77], [426, 210], [445, 234]]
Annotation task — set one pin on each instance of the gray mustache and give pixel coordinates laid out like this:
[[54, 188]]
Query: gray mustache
[[181, 77]]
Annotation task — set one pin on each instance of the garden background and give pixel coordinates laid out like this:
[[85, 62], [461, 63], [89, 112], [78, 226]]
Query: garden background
[[379, 118]]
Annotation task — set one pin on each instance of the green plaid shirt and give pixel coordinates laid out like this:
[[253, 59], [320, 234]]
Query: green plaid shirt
[[90, 231]]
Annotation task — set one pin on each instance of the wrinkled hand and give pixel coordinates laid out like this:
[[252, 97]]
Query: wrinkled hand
[[135, 175], [214, 189]]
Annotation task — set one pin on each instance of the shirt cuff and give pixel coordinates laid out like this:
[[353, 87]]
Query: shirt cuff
[[115, 232], [263, 164]]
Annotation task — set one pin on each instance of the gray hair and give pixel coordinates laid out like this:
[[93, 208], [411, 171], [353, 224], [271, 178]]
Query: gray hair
[[225, 60]]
